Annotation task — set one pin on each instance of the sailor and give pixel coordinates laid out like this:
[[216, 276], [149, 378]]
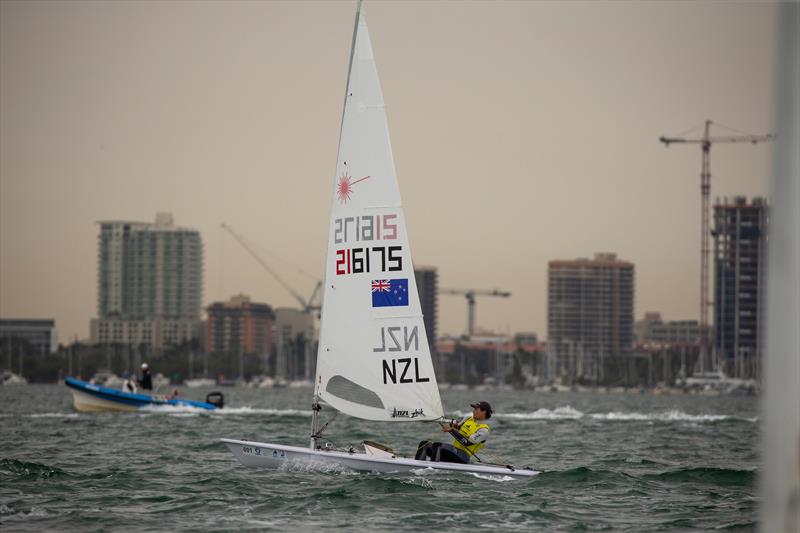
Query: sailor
[[146, 382], [469, 436]]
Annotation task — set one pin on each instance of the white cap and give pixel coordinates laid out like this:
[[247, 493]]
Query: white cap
[[144, 366]]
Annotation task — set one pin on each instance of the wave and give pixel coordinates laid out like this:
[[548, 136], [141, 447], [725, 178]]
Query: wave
[[569, 413], [500, 478], [704, 475], [715, 476], [13, 469], [262, 411], [559, 413], [669, 416], [40, 415], [179, 410], [185, 410], [582, 474]]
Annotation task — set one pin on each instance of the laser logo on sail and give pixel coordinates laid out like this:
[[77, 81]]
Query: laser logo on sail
[[344, 187]]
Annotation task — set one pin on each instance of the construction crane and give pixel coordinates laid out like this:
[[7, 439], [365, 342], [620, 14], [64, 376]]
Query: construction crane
[[470, 295], [705, 143], [306, 305]]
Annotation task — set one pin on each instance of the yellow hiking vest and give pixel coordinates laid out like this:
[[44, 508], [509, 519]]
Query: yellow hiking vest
[[468, 428]]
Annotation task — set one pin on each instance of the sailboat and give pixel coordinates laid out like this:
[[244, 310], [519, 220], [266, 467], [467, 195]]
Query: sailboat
[[373, 359]]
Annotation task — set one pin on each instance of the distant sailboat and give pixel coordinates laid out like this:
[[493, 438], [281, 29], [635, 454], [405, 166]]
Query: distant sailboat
[[374, 361]]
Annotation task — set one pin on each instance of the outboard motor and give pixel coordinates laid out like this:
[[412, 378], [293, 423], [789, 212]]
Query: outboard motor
[[216, 398]]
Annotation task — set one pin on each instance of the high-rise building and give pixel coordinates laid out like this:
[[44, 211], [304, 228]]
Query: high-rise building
[[427, 286], [589, 313], [39, 335], [740, 241], [652, 329], [149, 283], [239, 325], [295, 344]]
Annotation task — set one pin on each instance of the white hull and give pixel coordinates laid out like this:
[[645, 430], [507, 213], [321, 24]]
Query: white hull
[[87, 403], [264, 455]]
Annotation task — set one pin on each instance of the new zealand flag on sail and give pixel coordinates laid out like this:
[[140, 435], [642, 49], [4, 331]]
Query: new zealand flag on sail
[[389, 292]]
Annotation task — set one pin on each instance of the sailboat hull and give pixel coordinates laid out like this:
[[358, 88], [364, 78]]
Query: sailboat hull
[[266, 455]]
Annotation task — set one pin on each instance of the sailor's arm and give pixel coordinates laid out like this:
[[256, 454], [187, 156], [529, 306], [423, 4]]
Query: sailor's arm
[[479, 436], [453, 425]]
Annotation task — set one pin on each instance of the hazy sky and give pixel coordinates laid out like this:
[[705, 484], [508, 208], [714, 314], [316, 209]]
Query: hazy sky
[[522, 132]]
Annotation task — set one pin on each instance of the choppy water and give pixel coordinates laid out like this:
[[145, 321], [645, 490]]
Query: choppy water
[[610, 463]]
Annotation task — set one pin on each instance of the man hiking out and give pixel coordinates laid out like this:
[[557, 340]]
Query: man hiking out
[[469, 436]]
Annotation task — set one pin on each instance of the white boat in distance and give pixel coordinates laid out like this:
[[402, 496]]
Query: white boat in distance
[[373, 361], [199, 382], [9, 378]]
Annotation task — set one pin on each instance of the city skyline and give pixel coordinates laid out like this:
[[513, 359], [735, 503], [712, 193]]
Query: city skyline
[[522, 133]]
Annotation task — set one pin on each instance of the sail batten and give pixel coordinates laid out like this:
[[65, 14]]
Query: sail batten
[[374, 361]]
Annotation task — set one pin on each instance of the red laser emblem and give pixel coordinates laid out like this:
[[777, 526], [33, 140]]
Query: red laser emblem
[[345, 187]]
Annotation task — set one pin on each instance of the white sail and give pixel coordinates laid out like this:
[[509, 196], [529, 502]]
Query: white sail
[[374, 361]]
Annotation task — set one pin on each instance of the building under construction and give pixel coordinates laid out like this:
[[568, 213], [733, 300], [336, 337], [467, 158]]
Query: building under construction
[[427, 286], [740, 240], [589, 314]]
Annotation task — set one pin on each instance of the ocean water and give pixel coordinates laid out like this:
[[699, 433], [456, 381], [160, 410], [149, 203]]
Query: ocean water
[[609, 462]]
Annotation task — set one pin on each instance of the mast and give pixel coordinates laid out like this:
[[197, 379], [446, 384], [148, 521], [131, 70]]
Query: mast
[[316, 407], [780, 405]]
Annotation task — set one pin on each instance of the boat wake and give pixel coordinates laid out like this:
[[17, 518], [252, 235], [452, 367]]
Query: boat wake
[[317, 467], [261, 411], [227, 411], [184, 410], [488, 477], [53, 415]]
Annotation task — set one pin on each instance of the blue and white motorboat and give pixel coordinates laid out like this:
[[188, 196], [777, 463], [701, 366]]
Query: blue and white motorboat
[[88, 397]]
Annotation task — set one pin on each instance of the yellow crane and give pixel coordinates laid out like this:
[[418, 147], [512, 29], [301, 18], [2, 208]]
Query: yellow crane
[[470, 295]]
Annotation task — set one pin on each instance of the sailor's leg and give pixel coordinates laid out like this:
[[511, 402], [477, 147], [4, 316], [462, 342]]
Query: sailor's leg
[[451, 454], [422, 450], [435, 450]]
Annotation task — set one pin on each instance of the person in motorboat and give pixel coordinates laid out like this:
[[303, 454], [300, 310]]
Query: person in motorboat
[[172, 395], [129, 385], [146, 381], [469, 436]]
